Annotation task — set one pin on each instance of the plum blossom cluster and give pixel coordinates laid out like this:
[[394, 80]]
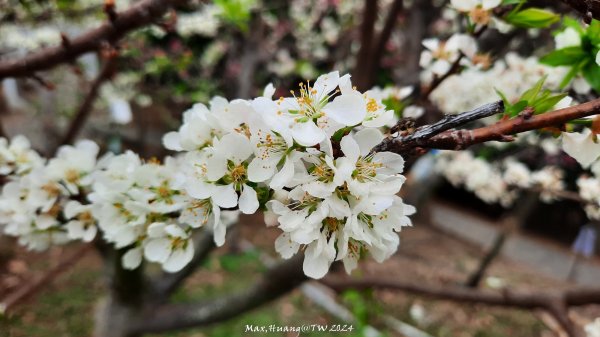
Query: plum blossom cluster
[[499, 182], [37, 206], [307, 160], [136, 206], [512, 76]]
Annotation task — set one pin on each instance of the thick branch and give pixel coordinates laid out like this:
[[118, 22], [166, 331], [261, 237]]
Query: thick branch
[[587, 8], [423, 134], [139, 15], [277, 281], [461, 139], [439, 135], [555, 303]]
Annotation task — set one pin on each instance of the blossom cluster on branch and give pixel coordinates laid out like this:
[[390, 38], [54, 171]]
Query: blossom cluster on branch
[[304, 159]]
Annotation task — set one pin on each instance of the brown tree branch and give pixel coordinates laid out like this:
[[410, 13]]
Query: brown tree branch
[[28, 290], [383, 39], [276, 282], [139, 15], [85, 109], [587, 8], [367, 31], [555, 303], [429, 137]]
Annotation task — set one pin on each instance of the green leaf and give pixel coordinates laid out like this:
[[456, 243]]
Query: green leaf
[[516, 108], [511, 2], [547, 103], [503, 97], [532, 93], [564, 57], [532, 18], [572, 73], [339, 134], [591, 72], [593, 32]]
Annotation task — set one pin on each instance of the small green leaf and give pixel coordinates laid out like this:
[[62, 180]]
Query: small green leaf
[[532, 93], [572, 73], [516, 108], [339, 134], [547, 103], [593, 32], [532, 18], [564, 57], [503, 97], [511, 2], [591, 72]]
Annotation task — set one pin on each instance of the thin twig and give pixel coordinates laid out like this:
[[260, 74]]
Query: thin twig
[[555, 303], [383, 39], [30, 289], [367, 30], [139, 15], [85, 108]]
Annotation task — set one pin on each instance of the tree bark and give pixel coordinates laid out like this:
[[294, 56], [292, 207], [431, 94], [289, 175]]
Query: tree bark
[[124, 301]]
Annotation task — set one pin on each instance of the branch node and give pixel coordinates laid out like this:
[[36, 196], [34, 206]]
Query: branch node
[[65, 41], [109, 9], [47, 85]]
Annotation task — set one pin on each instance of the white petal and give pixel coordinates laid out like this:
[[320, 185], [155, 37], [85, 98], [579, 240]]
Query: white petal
[[317, 260], [132, 259], [157, 250], [350, 148], [581, 146], [269, 91], [219, 231], [171, 141], [598, 58], [75, 229], [465, 5], [156, 230], [392, 161], [367, 139], [72, 208], [348, 110], [235, 147], [284, 176], [440, 67], [179, 258], [431, 44], [490, 4], [285, 246], [198, 189], [90, 234], [225, 196], [307, 134], [216, 167], [260, 170], [175, 231], [327, 83], [248, 200]]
